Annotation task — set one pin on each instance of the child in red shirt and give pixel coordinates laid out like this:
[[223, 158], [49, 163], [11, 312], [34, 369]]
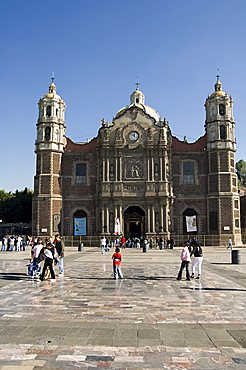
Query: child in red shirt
[[116, 257]]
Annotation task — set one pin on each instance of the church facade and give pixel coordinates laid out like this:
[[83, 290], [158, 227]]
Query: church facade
[[135, 177]]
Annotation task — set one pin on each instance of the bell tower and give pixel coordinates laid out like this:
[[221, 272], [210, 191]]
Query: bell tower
[[223, 198], [49, 147]]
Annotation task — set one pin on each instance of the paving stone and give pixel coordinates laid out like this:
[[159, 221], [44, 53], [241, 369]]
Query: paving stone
[[146, 320]]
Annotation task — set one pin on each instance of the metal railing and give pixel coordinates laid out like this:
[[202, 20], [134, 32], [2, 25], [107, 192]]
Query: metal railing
[[204, 240]]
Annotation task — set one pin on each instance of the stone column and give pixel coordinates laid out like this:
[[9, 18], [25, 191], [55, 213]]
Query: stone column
[[148, 169], [166, 218], [103, 220], [116, 169], [120, 216], [103, 174], [120, 169], [153, 219], [153, 170], [161, 164], [161, 218], [107, 219], [107, 169], [148, 228]]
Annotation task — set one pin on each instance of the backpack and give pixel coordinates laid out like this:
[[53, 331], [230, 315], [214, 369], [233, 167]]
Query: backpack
[[198, 251]]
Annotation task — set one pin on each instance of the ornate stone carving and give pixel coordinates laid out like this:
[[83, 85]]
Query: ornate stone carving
[[133, 188], [134, 168], [134, 113]]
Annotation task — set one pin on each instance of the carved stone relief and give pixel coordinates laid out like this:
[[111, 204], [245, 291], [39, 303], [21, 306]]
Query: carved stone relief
[[134, 168], [134, 113]]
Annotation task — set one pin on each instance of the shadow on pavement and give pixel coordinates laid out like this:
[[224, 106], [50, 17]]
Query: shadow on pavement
[[13, 276], [218, 289]]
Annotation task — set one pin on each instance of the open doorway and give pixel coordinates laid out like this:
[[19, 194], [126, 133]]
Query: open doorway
[[134, 222]]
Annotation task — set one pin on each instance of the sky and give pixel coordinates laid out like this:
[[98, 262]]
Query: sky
[[98, 50]]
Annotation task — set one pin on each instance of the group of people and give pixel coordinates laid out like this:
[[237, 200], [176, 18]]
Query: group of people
[[44, 255], [13, 243], [191, 248]]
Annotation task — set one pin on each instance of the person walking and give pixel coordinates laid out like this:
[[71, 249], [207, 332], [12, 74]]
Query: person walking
[[4, 244], [48, 262], [229, 243], [36, 253], [197, 260], [185, 260], [116, 257], [103, 243], [60, 248]]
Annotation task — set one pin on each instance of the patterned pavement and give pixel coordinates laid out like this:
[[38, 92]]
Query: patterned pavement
[[147, 320]]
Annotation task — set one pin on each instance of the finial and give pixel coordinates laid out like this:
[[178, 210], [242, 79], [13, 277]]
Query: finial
[[137, 84], [218, 76], [53, 77]]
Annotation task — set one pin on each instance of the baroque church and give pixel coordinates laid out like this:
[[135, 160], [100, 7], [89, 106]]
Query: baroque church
[[136, 178]]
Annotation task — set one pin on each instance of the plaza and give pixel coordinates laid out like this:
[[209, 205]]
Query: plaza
[[147, 320]]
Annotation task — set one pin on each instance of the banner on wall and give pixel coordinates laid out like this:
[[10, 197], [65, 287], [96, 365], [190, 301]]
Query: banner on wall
[[79, 226], [191, 224], [117, 226]]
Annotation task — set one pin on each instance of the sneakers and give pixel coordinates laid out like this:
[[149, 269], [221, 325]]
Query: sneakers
[[192, 276], [178, 278], [188, 279], [198, 277]]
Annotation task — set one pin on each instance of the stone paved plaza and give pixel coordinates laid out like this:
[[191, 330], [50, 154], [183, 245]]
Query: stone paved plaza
[[147, 320]]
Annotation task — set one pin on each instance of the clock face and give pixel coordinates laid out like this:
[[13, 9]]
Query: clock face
[[134, 136]]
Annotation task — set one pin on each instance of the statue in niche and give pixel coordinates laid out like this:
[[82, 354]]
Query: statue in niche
[[56, 138], [149, 134], [135, 171], [212, 111], [134, 113], [118, 135], [156, 170]]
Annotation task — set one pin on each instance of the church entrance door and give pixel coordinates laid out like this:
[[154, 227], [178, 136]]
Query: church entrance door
[[134, 222]]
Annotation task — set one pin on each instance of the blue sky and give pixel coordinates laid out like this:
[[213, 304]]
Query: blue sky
[[97, 49]]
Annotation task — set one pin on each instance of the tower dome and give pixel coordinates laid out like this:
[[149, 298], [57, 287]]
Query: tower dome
[[218, 89], [52, 92], [137, 99]]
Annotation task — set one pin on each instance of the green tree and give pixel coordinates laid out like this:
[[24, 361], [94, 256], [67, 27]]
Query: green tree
[[241, 171], [16, 207]]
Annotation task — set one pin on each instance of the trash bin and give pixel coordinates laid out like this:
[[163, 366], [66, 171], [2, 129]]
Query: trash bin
[[235, 257], [80, 247]]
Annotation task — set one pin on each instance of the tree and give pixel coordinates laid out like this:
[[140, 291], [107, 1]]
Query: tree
[[16, 207], [241, 172]]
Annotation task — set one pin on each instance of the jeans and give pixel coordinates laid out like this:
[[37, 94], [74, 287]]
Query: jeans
[[184, 264], [117, 272], [48, 262], [61, 265]]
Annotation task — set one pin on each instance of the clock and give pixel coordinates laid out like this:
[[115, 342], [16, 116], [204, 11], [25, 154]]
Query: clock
[[134, 136]]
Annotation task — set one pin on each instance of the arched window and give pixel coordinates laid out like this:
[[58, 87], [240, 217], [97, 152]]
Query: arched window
[[80, 223], [189, 221], [48, 111], [222, 132], [47, 133], [222, 109]]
